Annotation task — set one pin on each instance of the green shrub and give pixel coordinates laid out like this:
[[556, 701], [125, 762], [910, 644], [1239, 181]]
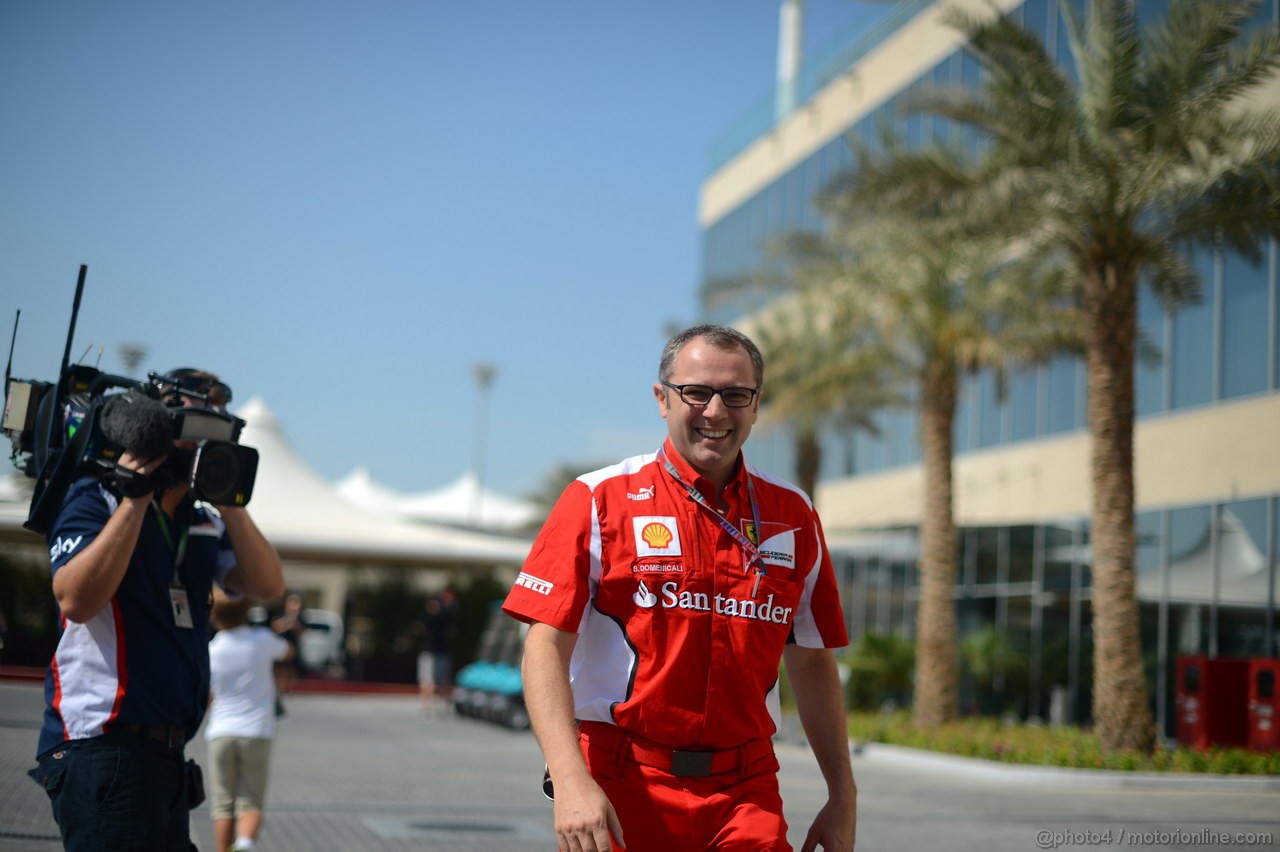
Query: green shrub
[[1074, 748], [880, 670]]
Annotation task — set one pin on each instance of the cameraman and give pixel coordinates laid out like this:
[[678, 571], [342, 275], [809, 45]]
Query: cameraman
[[134, 561]]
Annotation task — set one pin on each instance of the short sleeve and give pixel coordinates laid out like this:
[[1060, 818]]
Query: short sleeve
[[554, 585], [84, 512], [820, 619]]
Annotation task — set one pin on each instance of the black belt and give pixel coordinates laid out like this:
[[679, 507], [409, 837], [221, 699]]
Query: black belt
[[173, 736], [678, 762]]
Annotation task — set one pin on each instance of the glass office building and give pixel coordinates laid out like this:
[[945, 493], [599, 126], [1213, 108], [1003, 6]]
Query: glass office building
[[1207, 437]]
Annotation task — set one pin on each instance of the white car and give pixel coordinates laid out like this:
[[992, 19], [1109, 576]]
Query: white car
[[320, 645]]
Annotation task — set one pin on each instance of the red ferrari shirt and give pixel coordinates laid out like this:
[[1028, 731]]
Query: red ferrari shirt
[[679, 640]]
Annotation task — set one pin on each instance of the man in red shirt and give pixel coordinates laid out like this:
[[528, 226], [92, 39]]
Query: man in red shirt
[[662, 594]]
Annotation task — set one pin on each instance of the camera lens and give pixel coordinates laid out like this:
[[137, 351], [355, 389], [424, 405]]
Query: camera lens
[[223, 473]]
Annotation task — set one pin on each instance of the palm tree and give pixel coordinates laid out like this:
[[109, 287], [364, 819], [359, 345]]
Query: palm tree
[[1111, 171], [879, 303], [943, 309], [818, 374], [809, 330]]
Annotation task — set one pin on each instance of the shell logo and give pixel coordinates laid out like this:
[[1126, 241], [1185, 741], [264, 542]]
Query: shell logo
[[656, 535]]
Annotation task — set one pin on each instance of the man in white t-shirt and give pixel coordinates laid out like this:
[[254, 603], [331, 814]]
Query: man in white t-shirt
[[241, 721]]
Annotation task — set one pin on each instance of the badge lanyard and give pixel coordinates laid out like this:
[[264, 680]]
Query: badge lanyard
[[748, 546], [177, 589]]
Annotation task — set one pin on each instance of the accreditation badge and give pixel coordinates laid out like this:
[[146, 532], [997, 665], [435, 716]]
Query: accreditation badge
[[181, 607]]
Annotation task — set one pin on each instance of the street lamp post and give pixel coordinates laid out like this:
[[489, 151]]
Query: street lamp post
[[484, 375], [131, 355], [790, 57]]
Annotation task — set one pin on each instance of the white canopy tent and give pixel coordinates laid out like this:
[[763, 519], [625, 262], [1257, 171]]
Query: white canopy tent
[[302, 513], [462, 503], [305, 518]]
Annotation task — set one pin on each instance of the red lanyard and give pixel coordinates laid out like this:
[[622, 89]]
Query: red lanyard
[[748, 546]]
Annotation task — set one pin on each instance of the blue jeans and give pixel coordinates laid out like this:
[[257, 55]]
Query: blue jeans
[[117, 792]]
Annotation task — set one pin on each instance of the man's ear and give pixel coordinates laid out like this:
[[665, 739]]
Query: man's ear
[[660, 394]]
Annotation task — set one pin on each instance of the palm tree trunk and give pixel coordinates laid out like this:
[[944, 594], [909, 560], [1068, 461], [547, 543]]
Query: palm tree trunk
[[1121, 715], [936, 650], [808, 457]]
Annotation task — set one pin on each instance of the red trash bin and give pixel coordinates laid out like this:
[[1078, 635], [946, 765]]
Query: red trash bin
[[1264, 704], [1212, 701]]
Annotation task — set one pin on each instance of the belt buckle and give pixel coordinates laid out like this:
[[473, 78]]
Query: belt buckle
[[691, 764], [174, 737]]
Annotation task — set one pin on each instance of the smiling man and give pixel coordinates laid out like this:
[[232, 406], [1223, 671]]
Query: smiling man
[[663, 593]]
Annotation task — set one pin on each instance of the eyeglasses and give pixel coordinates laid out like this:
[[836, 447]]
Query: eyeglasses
[[703, 394]]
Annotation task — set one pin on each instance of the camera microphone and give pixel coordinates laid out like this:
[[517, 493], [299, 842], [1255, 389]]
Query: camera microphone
[[140, 424]]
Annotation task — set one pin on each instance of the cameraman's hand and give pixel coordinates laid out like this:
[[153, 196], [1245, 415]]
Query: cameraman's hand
[[142, 486], [146, 467]]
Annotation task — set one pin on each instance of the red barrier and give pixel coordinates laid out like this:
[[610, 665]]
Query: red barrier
[[1264, 704], [1212, 697]]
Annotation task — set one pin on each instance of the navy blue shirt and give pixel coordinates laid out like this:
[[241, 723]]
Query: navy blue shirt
[[132, 664]]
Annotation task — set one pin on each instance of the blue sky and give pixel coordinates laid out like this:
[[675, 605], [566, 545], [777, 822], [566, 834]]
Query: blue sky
[[342, 207]]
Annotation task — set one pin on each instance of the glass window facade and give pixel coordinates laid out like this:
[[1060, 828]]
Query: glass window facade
[[1192, 352], [1205, 581], [1246, 294]]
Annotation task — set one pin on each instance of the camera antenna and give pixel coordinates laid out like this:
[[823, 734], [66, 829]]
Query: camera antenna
[[66, 357], [54, 474], [71, 331], [13, 341], [8, 367]]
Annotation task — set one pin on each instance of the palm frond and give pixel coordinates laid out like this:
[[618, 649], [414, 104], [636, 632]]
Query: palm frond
[[1171, 276], [1108, 64]]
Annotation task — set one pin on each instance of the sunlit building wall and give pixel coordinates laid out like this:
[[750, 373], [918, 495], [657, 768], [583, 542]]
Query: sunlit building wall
[[1208, 454]]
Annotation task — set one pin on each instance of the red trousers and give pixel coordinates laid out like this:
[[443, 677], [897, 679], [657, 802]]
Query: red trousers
[[739, 810]]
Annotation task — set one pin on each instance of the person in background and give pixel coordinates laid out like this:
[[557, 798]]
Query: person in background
[[241, 722], [436, 628], [662, 594], [290, 626]]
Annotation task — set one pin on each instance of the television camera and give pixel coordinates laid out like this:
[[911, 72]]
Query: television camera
[[84, 422]]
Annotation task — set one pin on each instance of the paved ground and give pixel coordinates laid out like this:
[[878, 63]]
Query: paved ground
[[372, 773]]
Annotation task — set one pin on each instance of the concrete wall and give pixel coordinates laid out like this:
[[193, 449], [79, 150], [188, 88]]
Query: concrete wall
[[1224, 452]]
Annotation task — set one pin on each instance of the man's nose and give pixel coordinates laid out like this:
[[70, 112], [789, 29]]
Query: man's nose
[[716, 407]]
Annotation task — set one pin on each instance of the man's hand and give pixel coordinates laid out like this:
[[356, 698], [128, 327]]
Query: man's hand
[[132, 476], [835, 827], [585, 819], [815, 682], [584, 816]]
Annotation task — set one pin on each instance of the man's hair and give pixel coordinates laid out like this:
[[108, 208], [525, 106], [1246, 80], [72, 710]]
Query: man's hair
[[230, 612], [203, 381], [721, 337]]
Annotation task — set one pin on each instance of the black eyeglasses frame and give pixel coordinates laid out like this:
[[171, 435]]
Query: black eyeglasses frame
[[680, 389]]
